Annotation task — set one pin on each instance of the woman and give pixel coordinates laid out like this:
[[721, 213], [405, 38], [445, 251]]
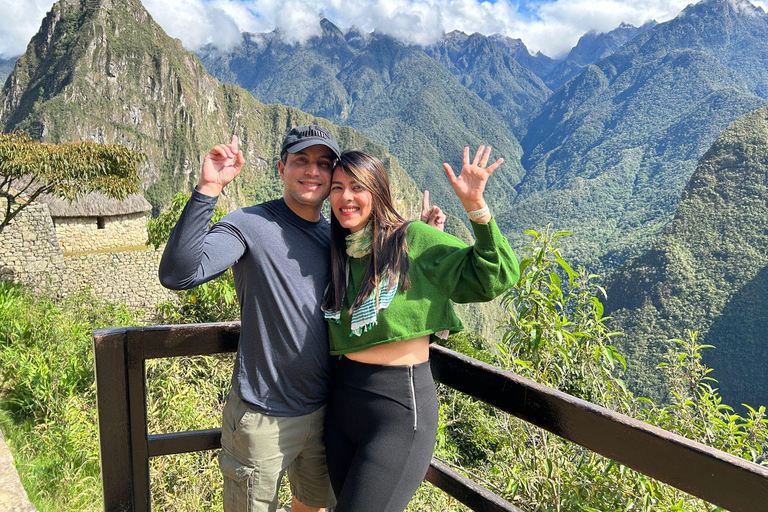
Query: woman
[[391, 291]]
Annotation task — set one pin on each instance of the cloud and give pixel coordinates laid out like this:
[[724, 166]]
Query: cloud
[[195, 22], [549, 26], [552, 27], [19, 22], [560, 24]]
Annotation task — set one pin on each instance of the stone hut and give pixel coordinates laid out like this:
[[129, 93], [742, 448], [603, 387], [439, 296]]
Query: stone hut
[[96, 222], [95, 243]]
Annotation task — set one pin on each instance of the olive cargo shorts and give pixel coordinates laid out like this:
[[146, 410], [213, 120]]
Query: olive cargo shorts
[[256, 449]]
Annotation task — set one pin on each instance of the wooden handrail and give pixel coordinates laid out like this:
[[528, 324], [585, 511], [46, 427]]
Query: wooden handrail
[[126, 446]]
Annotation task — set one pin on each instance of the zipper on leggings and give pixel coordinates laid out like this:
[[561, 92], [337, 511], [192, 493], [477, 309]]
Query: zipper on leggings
[[413, 397]]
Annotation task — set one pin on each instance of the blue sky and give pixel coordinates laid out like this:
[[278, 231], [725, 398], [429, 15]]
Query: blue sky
[[528, 9], [549, 26]]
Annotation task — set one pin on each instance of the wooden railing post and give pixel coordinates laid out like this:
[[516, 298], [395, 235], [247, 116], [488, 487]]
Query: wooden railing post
[[110, 349], [137, 403]]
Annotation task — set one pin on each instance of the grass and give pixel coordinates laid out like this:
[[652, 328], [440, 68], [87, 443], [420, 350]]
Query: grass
[[47, 397]]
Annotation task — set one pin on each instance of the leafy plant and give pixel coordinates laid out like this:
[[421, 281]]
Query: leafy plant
[[557, 334], [697, 410]]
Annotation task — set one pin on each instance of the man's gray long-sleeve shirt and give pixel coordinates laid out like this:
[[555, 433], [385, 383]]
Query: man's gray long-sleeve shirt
[[281, 268]]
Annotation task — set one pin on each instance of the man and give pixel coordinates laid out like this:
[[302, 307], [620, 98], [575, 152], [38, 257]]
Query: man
[[279, 252]]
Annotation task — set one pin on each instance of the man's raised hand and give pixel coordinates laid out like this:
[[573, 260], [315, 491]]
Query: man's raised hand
[[432, 215], [220, 166]]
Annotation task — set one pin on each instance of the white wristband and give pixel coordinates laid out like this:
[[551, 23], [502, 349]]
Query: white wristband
[[479, 214]]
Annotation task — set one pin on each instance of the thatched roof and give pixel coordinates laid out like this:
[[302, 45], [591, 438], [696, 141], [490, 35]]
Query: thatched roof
[[95, 205], [90, 205]]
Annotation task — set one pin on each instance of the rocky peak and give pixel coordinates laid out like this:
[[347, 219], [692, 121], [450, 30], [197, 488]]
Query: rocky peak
[[330, 31], [456, 36], [722, 8], [356, 38]]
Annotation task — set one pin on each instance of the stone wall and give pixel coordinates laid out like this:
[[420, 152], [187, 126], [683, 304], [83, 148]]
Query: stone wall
[[83, 234], [29, 250], [128, 277]]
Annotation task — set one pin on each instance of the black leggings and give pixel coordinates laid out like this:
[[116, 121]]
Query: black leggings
[[379, 445]]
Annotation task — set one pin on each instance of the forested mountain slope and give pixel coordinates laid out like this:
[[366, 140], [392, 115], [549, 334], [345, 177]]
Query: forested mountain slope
[[611, 151], [708, 272], [394, 93], [487, 67]]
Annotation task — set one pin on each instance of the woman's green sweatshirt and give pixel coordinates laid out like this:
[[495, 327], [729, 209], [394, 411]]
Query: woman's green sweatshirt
[[443, 269]]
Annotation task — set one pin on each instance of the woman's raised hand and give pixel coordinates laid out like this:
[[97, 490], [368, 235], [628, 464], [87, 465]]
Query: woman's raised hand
[[220, 166], [470, 184]]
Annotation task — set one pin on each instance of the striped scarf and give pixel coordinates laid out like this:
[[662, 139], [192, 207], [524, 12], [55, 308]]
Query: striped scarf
[[366, 315]]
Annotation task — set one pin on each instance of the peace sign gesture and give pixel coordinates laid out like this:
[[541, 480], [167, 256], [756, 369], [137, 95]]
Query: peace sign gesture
[[470, 184], [432, 215]]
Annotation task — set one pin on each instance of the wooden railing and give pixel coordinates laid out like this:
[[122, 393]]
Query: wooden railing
[[126, 446]]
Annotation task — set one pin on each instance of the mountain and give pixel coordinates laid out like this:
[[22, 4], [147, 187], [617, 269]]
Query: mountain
[[394, 93], [104, 70], [708, 272], [6, 66], [591, 48], [538, 63], [611, 151], [487, 66]]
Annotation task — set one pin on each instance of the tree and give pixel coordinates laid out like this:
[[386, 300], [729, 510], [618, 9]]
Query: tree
[[69, 171]]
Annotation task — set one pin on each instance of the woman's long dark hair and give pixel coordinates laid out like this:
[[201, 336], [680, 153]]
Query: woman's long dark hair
[[388, 229]]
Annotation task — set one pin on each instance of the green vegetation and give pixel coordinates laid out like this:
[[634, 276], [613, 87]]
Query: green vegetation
[[48, 399], [556, 334], [29, 168], [48, 404]]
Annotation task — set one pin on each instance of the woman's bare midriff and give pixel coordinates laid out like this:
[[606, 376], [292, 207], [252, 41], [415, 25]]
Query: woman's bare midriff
[[406, 352]]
